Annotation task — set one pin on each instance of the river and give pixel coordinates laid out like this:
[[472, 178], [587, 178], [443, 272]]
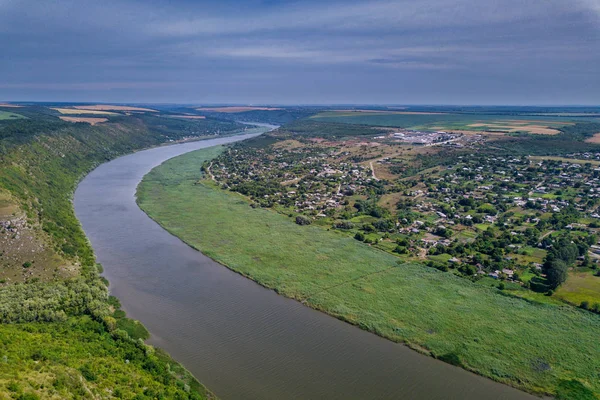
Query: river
[[239, 339]]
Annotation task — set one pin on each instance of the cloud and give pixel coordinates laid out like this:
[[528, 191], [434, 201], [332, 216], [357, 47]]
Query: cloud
[[287, 47]]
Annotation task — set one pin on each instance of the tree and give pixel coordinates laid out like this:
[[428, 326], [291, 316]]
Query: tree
[[556, 272], [360, 236]]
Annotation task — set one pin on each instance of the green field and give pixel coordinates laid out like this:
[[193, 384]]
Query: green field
[[431, 120], [533, 346], [5, 115], [581, 286]]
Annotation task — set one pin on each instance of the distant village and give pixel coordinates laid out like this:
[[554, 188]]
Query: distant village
[[482, 215]]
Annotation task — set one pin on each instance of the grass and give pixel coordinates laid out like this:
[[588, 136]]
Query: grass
[[580, 286], [496, 335], [5, 115]]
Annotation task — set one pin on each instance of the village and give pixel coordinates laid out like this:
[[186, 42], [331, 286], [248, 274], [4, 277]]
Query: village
[[483, 217]]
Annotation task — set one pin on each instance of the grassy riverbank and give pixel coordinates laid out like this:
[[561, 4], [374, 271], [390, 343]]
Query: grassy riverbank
[[537, 347]]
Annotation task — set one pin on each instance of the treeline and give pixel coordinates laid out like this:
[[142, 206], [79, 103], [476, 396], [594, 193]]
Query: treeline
[[570, 140], [332, 130]]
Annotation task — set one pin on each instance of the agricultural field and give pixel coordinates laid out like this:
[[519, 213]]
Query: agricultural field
[[528, 344], [112, 107], [5, 115], [436, 121], [88, 120], [75, 111]]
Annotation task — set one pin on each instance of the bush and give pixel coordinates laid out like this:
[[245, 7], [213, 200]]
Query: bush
[[303, 220], [401, 250], [346, 225], [359, 236]]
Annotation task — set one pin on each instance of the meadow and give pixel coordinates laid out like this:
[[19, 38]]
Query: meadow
[[580, 287], [5, 115], [542, 348]]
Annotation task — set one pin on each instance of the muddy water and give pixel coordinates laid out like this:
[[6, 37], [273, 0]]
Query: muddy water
[[239, 339]]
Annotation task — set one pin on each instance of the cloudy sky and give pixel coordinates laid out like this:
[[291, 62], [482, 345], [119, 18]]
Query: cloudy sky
[[309, 52]]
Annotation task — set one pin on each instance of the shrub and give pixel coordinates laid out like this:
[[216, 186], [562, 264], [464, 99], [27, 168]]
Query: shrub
[[303, 220]]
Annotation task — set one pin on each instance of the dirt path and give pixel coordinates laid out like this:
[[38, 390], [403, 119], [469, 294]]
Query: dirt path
[[210, 173], [373, 170]]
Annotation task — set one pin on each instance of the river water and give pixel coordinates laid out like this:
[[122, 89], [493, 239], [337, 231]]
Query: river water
[[241, 340]]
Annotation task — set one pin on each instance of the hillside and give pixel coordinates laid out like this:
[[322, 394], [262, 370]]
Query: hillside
[[61, 335]]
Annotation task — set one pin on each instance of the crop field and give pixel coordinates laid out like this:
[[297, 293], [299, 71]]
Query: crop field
[[74, 111], [527, 344], [110, 107], [448, 121], [5, 115]]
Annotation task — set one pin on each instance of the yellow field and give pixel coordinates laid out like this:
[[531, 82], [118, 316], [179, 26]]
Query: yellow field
[[108, 107], [79, 112], [89, 120]]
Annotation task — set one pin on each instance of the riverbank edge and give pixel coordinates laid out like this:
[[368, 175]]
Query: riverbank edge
[[413, 346]]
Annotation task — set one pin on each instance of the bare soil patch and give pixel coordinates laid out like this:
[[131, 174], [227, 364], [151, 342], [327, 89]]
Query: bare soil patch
[[594, 139], [73, 111], [108, 107], [89, 120], [6, 105]]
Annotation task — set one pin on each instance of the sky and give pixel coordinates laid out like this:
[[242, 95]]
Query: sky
[[517, 52]]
